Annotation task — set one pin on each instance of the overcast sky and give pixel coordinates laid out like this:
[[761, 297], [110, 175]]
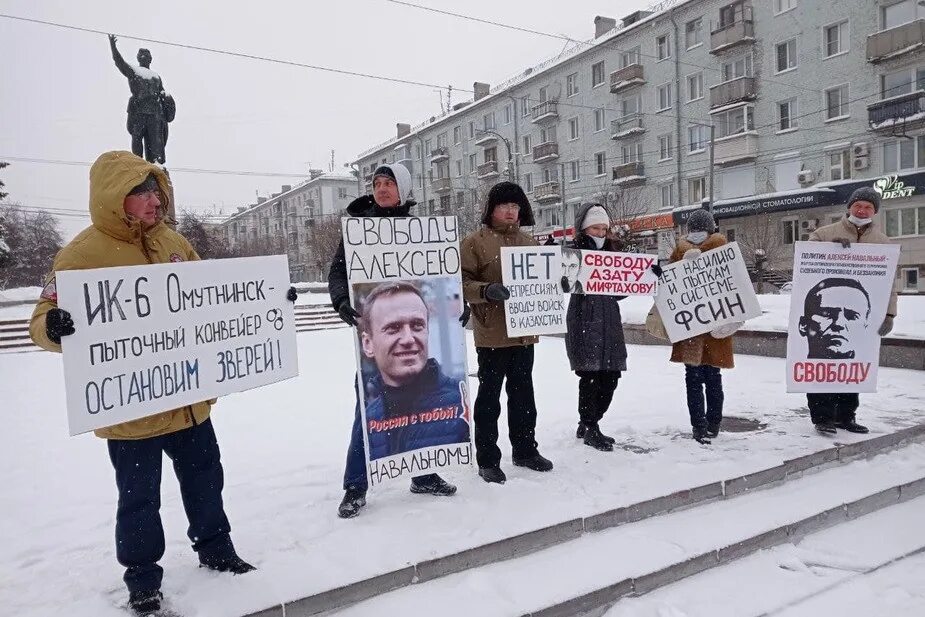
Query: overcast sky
[[62, 98]]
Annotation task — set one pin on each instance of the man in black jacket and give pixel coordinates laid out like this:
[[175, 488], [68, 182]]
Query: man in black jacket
[[391, 197]]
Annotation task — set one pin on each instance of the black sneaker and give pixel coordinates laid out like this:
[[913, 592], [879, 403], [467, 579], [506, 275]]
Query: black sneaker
[[492, 475], [144, 603], [852, 427], [595, 439], [537, 462], [432, 484], [700, 436], [826, 428], [583, 428], [354, 500], [233, 564]]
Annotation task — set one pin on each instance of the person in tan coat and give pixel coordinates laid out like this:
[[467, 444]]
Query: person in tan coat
[[500, 357], [833, 411], [128, 199], [704, 355]]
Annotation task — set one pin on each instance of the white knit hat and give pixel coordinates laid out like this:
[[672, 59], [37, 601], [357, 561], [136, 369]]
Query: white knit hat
[[596, 215]]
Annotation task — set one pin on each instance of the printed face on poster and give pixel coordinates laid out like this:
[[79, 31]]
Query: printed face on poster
[[405, 280], [533, 275], [698, 295], [838, 301], [609, 274], [157, 337]]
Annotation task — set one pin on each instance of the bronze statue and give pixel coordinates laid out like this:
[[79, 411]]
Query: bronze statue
[[150, 108]]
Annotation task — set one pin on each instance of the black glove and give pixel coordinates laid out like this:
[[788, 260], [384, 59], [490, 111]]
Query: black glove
[[845, 242], [497, 292], [292, 294], [58, 323], [656, 270], [565, 285], [464, 318], [347, 313]]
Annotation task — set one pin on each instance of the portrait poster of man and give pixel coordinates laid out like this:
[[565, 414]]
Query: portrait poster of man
[[406, 282], [609, 273], [839, 298]]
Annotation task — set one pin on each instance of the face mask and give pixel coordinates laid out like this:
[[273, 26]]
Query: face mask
[[859, 222], [599, 242], [697, 237]]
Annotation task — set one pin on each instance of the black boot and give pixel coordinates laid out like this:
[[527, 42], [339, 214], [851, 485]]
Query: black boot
[[233, 564], [537, 462], [826, 427], [852, 427], [583, 428], [353, 501], [145, 603], [700, 436], [432, 484], [713, 430], [492, 475], [596, 440]]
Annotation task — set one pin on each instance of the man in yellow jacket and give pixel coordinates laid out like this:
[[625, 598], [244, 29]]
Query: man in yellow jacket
[[128, 199]]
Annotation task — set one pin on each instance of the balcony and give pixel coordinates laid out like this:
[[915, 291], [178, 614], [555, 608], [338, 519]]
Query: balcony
[[631, 124], [486, 139], [489, 169], [441, 185], [741, 89], [728, 36], [907, 110], [547, 193], [899, 41], [736, 148], [548, 151], [626, 78], [439, 154], [545, 111], [629, 174]]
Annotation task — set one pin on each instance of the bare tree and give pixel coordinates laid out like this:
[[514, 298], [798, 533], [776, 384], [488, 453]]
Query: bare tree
[[757, 234], [33, 239], [324, 238], [208, 240], [2, 194]]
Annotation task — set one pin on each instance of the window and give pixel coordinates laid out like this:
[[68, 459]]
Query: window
[[839, 165], [784, 5], [739, 67], [528, 182], [786, 55], [471, 130], [528, 145], [573, 129], [897, 14], [664, 147], [836, 103], [903, 81], [632, 153], [473, 163], [904, 154], [910, 277], [491, 154], [735, 182], [663, 47], [571, 84], [341, 193], [600, 163], [696, 190], [488, 121], [667, 196], [734, 121], [630, 106], [427, 148], [417, 153], [790, 232], [664, 97], [457, 134], [629, 57], [693, 33], [574, 171], [508, 113], [441, 140], [786, 115], [459, 168], [544, 94], [525, 106], [548, 134], [786, 172], [551, 217], [460, 199], [835, 39], [597, 73], [697, 138], [901, 222], [598, 120], [550, 174], [730, 14], [695, 87]]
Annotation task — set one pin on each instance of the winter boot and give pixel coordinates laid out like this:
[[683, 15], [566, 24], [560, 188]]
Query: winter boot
[[700, 436], [852, 427], [144, 603], [353, 501], [537, 462], [432, 484], [713, 431], [492, 475], [826, 427], [583, 428], [595, 439], [233, 564]]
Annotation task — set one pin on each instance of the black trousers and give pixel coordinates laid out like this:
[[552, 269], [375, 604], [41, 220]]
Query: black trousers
[[139, 534], [700, 379], [147, 132], [833, 407], [595, 393], [515, 365]]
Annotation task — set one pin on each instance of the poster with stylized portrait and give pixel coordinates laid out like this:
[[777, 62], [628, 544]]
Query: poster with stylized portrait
[[607, 273], [838, 302], [405, 280]]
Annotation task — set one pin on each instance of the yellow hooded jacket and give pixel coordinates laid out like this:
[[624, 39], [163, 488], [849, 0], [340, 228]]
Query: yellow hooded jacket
[[116, 240]]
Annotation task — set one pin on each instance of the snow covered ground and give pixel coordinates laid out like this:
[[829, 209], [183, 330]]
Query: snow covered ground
[[283, 448]]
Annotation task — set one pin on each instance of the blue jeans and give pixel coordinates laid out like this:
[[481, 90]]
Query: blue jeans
[[698, 379]]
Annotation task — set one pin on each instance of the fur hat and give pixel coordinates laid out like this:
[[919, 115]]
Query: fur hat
[[508, 193], [596, 215], [701, 220], [865, 193]]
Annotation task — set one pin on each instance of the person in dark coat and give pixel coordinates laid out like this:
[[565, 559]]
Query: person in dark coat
[[594, 341], [391, 197]]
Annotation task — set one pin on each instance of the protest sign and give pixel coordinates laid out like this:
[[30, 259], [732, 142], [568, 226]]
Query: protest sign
[[698, 295], [157, 337], [838, 301], [533, 275], [609, 274], [406, 281]]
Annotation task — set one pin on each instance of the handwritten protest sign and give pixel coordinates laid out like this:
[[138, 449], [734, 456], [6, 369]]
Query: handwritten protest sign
[[838, 301], [698, 295], [157, 337], [405, 279], [609, 274], [533, 275]]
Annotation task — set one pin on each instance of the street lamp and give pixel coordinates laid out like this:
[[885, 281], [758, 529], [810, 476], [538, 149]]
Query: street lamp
[[355, 168]]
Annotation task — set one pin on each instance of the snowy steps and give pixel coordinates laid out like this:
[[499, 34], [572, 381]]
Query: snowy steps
[[575, 567]]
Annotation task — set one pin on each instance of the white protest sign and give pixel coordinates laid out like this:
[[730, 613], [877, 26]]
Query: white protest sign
[[406, 280], [838, 301], [609, 274], [698, 295], [157, 337], [533, 275]]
